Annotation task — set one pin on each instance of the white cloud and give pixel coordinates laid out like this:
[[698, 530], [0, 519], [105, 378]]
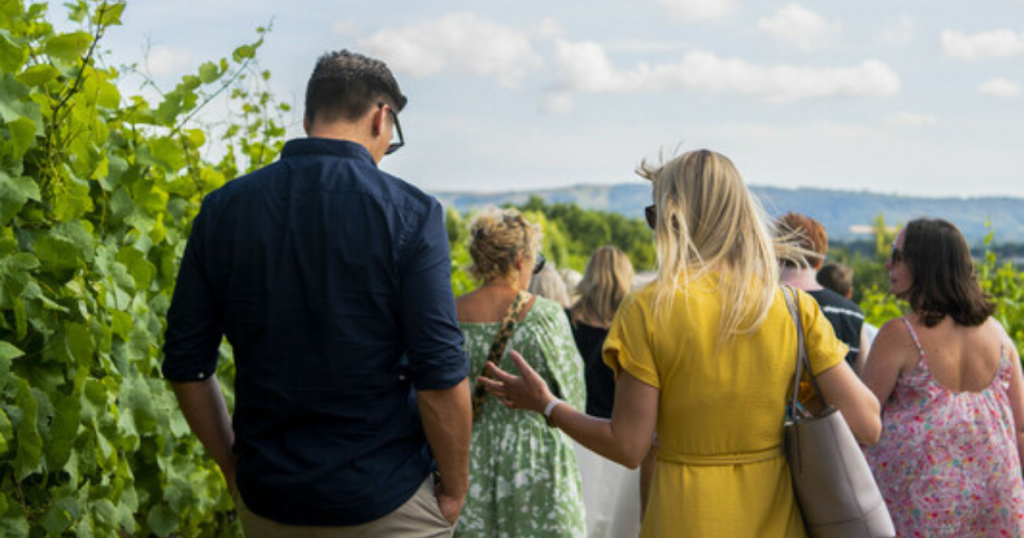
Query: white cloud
[[799, 26], [899, 34], [550, 28], [697, 10], [459, 42], [556, 102], [168, 61], [584, 67], [999, 87], [994, 44], [909, 119]]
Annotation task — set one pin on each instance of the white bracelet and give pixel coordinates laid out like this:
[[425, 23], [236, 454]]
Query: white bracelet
[[550, 408]]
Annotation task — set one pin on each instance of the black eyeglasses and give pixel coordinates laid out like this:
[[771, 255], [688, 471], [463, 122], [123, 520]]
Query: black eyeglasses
[[397, 140], [651, 214], [538, 265]]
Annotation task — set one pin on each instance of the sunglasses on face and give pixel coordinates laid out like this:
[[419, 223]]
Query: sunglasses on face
[[895, 255], [397, 140], [651, 214], [539, 264]]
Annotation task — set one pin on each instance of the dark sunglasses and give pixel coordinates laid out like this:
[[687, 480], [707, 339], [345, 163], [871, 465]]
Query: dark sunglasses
[[895, 255], [397, 140], [539, 264], [651, 214]]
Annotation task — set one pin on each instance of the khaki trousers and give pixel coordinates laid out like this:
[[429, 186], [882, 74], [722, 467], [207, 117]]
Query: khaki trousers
[[419, 517]]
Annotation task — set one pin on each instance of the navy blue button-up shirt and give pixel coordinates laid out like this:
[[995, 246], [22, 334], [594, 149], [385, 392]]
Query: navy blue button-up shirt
[[331, 280]]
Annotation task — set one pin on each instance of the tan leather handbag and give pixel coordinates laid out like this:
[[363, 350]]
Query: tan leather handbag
[[834, 486]]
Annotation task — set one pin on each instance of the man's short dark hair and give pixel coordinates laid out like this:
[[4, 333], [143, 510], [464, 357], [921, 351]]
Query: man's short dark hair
[[838, 278], [345, 85], [945, 283]]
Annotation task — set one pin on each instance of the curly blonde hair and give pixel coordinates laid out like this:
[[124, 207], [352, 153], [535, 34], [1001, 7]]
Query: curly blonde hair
[[498, 239]]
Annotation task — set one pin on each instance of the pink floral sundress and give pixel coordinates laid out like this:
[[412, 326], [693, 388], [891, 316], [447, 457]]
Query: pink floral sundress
[[947, 462]]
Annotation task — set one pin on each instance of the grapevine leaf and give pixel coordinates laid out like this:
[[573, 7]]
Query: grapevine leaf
[[14, 523], [141, 270], [6, 434], [74, 202], [162, 520], [110, 15], [30, 443], [13, 100], [57, 251], [68, 47], [244, 52], [61, 515], [37, 75], [14, 193], [12, 54], [8, 351], [208, 72], [23, 136], [63, 431]]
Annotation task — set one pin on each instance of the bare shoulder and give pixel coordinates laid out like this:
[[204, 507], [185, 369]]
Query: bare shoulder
[[894, 345], [1009, 347], [468, 306]]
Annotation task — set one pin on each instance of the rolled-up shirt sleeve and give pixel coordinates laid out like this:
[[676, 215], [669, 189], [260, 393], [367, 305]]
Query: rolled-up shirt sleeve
[[194, 328], [430, 327]]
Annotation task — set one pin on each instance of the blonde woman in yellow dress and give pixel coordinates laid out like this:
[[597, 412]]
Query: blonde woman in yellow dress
[[705, 355]]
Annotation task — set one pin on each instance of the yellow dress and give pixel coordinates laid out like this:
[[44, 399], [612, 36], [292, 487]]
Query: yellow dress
[[721, 470]]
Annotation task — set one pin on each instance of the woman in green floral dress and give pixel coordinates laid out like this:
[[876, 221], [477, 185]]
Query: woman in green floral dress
[[524, 481]]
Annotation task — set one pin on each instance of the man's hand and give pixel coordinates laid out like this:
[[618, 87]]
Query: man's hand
[[451, 505], [448, 423]]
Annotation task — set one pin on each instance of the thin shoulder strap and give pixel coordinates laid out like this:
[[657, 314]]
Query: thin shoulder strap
[[913, 335]]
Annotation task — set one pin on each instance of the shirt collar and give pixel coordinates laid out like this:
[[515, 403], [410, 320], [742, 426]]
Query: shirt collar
[[300, 147]]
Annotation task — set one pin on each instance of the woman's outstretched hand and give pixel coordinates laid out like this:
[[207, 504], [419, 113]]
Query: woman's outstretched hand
[[527, 391]]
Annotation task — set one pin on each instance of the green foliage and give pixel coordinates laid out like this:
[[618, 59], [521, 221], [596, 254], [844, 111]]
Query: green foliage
[[571, 235], [97, 193]]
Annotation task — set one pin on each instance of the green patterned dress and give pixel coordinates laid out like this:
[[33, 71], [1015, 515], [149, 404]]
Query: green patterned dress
[[523, 478]]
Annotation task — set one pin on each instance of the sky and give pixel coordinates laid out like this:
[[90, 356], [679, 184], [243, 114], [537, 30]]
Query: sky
[[914, 97]]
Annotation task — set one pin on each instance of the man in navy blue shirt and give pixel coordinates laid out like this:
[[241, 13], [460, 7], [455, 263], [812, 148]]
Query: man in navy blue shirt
[[331, 280]]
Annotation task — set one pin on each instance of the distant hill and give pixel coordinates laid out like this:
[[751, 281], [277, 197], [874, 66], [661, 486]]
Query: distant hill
[[845, 214]]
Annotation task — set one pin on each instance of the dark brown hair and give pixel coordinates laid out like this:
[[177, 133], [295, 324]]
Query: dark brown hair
[[838, 278], [810, 234], [344, 85], [945, 283]]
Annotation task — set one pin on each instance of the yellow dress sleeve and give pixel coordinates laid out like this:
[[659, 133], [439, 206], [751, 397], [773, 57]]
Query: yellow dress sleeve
[[824, 350], [629, 342]]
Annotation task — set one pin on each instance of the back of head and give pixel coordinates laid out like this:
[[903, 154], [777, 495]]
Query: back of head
[[548, 283], [345, 85], [945, 283], [838, 278], [708, 220], [808, 233], [605, 283], [498, 239]]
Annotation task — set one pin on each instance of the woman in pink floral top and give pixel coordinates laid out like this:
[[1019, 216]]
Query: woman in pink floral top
[[948, 461]]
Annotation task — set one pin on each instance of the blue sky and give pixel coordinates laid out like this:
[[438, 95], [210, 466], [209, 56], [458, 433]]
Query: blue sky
[[918, 97]]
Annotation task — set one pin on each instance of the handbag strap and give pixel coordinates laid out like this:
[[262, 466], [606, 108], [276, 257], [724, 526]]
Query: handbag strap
[[793, 303], [498, 346]]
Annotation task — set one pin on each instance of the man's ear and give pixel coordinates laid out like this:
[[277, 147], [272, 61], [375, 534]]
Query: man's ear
[[306, 123], [380, 117]]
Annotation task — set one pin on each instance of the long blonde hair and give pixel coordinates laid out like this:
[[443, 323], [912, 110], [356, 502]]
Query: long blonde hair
[[605, 283], [708, 221]]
